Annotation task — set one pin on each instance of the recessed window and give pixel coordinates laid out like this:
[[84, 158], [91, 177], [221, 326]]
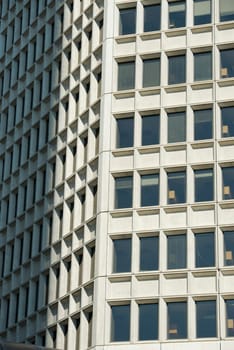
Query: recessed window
[[127, 21], [123, 192], [176, 127], [203, 124], [151, 72], [120, 323], [150, 130], [177, 14], [176, 69], [177, 187], [202, 11], [177, 320], [148, 321], [227, 63], [202, 66], [228, 237], [227, 115], [229, 317], [205, 249], [226, 10], [176, 252], [125, 130], [228, 183], [206, 318], [126, 75], [149, 253], [149, 189], [122, 255], [204, 185], [152, 17]]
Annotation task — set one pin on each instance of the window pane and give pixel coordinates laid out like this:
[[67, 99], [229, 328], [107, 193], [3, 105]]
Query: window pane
[[202, 12], [120, 327], [151, 72], [230, 317], [228, 183], [176, 127], [127, 23], [204, 185], [177, 14], [205, 249], [176, 73], [148, 321], [126, 75], [226, 10], [206, 318], [227, 63], [122, 255], [149, 253], [228, 248], [203, 124], [152, 17], [150, 130], [123, 192], [176, 187], [149, 189], [202, 66], [176, 252], [125, 130], [227, 121], [177, 320]]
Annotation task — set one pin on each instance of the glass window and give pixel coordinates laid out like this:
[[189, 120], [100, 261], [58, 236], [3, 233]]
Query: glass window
[[230, 317], [202, 66], [149, 253], [123, 192], [206, 318], [127, 21], [177, 187], [126, 75], [205, 249], [202, 11], [152, 17], [148, 321], [176, 127], [149, 189], [176, 71], [120, 323], [150, 130], [204, 185], [125, 132], [203, 124], [226, 10], [228, 183], [151, 72], [228, 248], [176, 252], [227, 114], [177, 320], [227, 63], [122, 255], [177, 14]]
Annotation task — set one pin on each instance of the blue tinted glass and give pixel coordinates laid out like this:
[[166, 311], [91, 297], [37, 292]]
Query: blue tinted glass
[[227, 121], [204, 185], [177, 320], [148, 321], [202, 66], [203, 124], [148, 253], [205, 249], [226, 10], [176, 127], [176, 187], [125, 130], [127, 23], [228, 248], [228, 183], [150, 130], [151, 72], [177, 14], [120, 327], [126, 75], [227, 63], [122, 255], [230, 317], [176, 252], [202, 11], [176, 73], [206, 318], [149, 189], [152, 17], [123, 192]]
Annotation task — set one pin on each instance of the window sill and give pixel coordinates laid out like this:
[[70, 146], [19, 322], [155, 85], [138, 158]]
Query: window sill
[[200, 206], [227, 204], [175, 273], [126, 38], [225, 25], [227, 141], [176, 208], [120, 277], [120, 213], [150, 35], [177, 146], [147, 275], [121, 152], [149, 149], [200, 85], [148, 210], [227, 270], [175, 32], [202, 28], [226, 82], [124, 94], [202, 144], [149, 91], [204, 271], [175, 87]]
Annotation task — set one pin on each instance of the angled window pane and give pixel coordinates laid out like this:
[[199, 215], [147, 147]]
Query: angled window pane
[[228, 183], [125, 130], [122, 255], [226, 10], [202, 66], [149, 253], [152, 17], [127, 21], [228, 248], [149, 189], [202, 11], [203, 124], [206, 318], [177, 14], [177, 320], [123, 192], [229, 317], [120, 323], [204, 185], [150, 130], [176, 71], [176, 127], [227, 63], [176, 187], [148, 321], [126, 75], [151, 72], [227, 114], [205, 249], [176, 252]]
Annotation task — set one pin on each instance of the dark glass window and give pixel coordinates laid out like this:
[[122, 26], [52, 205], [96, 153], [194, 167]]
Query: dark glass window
[[177, 187], [205, 249], [228, 182], [176, 127], [227, 121], [177, 68], [149, 189], [230, 317], [204, 185], [127, 21], [120, 325], [151, 72], [202, 11], [176, 252], [202, 66], [203, 124], [125, 132], [152, 17], [177, 320], [148, 321], [126, 75], [177, 14], [228, 248], [206, 318], [149, 253], [122, 255], [226, 10], [123, 192], [150, 130], [227, 63]]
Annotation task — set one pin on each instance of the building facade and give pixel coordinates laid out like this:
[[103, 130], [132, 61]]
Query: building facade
[[117, 174]]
